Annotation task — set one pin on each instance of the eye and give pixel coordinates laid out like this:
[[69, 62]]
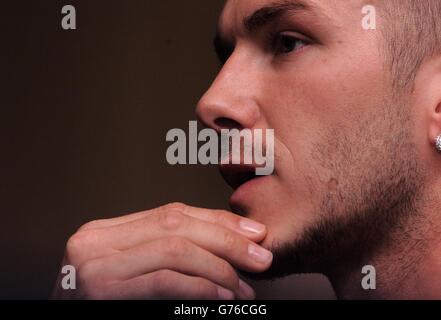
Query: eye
[[284, 43]]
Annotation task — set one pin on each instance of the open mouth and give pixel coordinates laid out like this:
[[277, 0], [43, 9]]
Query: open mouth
[[237, 175]]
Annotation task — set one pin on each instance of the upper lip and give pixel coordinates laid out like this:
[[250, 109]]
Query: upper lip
[[237, 174]]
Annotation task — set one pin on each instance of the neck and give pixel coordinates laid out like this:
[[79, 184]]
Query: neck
[[406, 267]]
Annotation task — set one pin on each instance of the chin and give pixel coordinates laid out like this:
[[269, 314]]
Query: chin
[[284, 226]]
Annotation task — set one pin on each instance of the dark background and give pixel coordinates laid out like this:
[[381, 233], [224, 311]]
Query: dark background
[[84, 115]]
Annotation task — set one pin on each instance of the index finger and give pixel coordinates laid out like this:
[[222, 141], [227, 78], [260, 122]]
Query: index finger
[[249, 228]]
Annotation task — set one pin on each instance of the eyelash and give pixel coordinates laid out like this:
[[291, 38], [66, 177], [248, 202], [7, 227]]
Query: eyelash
[[273, 40], [277, 42]]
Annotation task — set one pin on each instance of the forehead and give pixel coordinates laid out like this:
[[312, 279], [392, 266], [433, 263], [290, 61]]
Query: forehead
[[334, 11]]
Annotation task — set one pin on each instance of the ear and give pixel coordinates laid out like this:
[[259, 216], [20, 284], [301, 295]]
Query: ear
[[429, 83], [435, 123]]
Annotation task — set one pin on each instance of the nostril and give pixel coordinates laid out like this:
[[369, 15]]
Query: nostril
[[226, 123]]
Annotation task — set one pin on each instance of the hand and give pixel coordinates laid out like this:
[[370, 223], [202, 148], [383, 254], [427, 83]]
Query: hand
[[172, 252]]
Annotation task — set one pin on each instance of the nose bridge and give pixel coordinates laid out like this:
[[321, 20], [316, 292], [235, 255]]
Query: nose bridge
[[232, 96]]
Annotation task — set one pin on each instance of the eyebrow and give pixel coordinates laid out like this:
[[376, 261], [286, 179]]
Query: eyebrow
[[268, 14]]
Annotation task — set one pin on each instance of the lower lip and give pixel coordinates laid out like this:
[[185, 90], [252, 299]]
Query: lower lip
[[246, 190]]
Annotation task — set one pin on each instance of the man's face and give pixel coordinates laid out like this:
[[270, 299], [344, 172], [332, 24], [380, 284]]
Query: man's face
[[308, 70]]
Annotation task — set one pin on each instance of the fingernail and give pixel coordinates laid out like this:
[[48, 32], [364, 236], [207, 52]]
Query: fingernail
[[251, 226], [259, 254], [225, 294], [246, 291]]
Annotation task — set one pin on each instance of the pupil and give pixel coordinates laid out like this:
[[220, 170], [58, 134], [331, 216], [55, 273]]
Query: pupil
[[288, 44]]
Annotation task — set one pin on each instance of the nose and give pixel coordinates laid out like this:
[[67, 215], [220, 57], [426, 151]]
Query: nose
[[231, 101]]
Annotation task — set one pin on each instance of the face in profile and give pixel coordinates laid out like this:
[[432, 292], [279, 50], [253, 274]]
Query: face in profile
[[347, 171]]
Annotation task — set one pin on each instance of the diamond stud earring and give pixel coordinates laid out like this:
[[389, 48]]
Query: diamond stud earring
[[438, 143]]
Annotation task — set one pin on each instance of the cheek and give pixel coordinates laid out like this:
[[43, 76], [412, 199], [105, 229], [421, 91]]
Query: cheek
[[333, 94], [308, 109], [326, 87]]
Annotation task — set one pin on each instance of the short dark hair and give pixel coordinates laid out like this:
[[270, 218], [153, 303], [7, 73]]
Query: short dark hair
[[412, 30]]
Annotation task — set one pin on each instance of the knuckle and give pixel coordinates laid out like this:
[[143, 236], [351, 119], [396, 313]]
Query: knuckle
[[171, 220], [205, 289], [176, 206], [176, 247], [218, 218], [90, 225], [76, 244], [227, 274], [80, 239], [227, 216], [162, 282], [229, 240]]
